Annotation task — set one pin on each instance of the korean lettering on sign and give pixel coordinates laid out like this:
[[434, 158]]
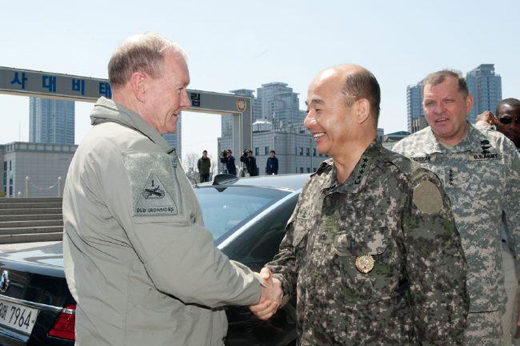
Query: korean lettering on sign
[[105, 90], [17, 80], [49, 82], [78, 85], [195, 99]]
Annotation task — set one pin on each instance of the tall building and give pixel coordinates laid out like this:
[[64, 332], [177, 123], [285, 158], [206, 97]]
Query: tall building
[[280, 105], [486, 88], [51, 121], [415, 112], [175, 139]]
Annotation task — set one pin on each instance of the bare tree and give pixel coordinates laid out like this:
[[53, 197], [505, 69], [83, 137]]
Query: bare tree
[[213, 170], [190, 162], [190, 167]]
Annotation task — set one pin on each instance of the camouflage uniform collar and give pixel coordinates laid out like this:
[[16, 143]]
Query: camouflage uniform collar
[[106, 110], [474, 138], [432, 145], [358, 178]]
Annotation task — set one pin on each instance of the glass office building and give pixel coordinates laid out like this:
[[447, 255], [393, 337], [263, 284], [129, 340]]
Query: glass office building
[[486, 88], [51, 121]]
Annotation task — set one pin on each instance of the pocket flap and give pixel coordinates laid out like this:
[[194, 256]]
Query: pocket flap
[[371, 244]]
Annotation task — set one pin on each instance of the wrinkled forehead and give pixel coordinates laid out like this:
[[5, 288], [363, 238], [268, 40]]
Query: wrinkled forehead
[[448, 87]]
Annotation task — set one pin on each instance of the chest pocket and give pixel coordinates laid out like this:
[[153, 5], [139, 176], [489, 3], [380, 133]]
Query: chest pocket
[[302, 226], [475, 176], [370, 263]]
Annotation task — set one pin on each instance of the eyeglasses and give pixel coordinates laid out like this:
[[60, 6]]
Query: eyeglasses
[[509, 120]]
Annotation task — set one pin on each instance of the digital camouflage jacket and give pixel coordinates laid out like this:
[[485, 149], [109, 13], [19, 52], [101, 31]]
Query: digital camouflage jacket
[[376, 260]]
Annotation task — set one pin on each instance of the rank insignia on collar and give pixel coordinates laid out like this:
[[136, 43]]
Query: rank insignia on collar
[[365, 263]]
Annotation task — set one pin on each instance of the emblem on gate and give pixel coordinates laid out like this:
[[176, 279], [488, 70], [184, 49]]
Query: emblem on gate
[[4, 281], [241, 105]]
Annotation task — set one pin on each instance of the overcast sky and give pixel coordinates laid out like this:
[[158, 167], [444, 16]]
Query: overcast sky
[[243, 44]]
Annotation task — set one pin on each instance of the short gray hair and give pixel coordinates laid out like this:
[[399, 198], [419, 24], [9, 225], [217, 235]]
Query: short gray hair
[[438, 77], [140, 53]]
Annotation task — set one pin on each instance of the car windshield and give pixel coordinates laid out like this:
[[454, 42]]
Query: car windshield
[[225, 209]]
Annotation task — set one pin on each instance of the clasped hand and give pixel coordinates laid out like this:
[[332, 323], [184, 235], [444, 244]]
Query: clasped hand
[[271, 298]]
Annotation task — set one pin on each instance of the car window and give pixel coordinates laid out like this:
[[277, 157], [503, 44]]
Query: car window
[[226, 209]]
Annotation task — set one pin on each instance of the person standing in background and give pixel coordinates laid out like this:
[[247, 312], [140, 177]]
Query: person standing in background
[[271, 167], [204, 165]]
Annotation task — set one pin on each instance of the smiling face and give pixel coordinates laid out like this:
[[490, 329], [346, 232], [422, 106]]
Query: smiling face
[[328, 119], [509, 122], [446, 110], [167, 95]]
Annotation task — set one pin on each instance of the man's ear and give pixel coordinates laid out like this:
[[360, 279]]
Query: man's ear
[[469, 103], [362, 110], [138, 83]]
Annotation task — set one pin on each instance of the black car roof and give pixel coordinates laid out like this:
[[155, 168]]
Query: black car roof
[[291, 182]]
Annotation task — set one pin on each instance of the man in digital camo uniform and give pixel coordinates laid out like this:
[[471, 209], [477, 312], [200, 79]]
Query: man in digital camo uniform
[[481, 174], [371, 251]]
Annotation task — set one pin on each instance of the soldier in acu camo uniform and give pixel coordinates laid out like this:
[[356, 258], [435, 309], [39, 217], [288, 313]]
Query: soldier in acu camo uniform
[[371, 251], [481, 175]]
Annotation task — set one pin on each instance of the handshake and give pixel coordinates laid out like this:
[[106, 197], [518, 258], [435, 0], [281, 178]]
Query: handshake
[[271, 298]]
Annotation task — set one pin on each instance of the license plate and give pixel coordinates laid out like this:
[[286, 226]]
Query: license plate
[[17, 316]]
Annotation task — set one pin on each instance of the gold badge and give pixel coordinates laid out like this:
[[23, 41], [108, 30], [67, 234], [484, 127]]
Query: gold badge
[[365, 263], [241, 105]]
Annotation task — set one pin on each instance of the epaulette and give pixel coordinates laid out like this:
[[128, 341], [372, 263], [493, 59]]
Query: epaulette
[[325, 167]]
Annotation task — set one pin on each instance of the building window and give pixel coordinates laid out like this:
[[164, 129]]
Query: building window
[[257, 151], [301, 169], [308, 151], [308, 169], [266, 150], [5, 177], [301, 152], [313, 151]]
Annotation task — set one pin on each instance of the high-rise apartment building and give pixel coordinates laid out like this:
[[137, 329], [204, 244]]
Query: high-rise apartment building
[[415, 112], [51, 121], [486, 88], [280, 105]]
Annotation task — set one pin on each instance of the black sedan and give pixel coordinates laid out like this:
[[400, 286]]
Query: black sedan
[[247, 218]]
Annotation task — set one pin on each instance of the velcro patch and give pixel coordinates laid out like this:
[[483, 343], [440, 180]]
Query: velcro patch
[[153, 188], [154, 199], [427, 197]]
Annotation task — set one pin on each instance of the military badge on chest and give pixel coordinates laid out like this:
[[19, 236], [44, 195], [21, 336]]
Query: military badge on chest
[[365, 263]]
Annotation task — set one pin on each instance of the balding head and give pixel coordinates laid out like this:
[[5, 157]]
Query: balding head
[[357, 83], [140, 53]]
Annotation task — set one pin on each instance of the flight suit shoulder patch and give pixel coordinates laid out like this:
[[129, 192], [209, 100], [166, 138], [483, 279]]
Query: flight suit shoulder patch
[[427, 197], [151, 184]]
